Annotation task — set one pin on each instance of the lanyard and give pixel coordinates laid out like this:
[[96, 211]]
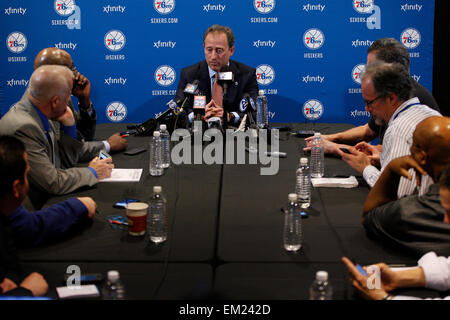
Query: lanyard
[[406, 108]]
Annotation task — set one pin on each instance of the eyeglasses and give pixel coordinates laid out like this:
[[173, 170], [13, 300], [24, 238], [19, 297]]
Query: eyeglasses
[[368, 103]]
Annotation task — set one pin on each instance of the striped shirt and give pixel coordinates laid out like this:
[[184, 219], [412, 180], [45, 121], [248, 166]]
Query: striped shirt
[[400, 130]]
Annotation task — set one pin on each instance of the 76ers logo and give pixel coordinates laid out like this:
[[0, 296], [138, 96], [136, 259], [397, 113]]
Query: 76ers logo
[[116, 111], [357, 72], [363, 6], [265, 74], [264, 6], [312, 109], [313, 39], [114, 40], [164, 6], [16, 42], [410, 38], [165, 75], [64, 7]]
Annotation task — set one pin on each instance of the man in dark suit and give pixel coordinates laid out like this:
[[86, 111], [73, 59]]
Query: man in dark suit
[[218, 45]]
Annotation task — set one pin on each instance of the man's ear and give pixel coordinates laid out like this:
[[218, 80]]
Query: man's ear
[[422, 158], [16, 188], [53, 102]]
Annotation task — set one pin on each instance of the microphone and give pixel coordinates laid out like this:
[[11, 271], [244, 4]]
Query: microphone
[[224, 78], [191, 88], [247, 105], [172, 106], [215, 123], [199, 107]]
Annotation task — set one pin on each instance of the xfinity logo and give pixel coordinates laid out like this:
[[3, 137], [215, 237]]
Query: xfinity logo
[[411, 7], [308, 79], [20, 10], [14, 82], [213, 7], [109, 9], [313, 7], [69, 45], [361, 43], [358, 113], [111, 81], [260, 43], [417, 78], [164, 44]]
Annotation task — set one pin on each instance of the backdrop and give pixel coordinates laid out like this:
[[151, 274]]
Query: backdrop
[[308, 54]]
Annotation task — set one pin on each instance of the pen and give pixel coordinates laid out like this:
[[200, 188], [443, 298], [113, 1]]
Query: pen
[[118, 222]]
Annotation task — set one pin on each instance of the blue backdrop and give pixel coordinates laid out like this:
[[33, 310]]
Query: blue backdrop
[[308, 54]]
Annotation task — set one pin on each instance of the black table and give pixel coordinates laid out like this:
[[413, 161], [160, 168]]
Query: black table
[[225, 231]]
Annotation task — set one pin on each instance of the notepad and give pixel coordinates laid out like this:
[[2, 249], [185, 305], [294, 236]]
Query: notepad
[[89, 290], [124, 175], [350, 182]]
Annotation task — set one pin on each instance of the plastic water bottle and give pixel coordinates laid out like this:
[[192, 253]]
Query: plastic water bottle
[[155, 166], [156, 220], [165, 145], [321, 289], [303, 184], [262, 120], [292, 225], [114, 288], [317, 157]]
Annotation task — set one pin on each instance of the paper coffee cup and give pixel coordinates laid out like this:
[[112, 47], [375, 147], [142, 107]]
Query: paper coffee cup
[[137, 218]]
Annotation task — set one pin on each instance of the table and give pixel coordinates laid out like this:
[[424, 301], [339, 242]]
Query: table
[[225, 231]]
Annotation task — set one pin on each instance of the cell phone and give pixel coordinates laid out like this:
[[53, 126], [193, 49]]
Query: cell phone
[[345, 150], [87, 278], [103, 155], [123, 203], [304, 133], [134, 151]]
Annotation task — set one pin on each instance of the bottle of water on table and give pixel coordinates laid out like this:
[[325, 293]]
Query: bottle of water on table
[[292, 234], [303, 184], [317, 157]]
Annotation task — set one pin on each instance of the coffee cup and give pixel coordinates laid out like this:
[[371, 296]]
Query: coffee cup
[[137, 218]]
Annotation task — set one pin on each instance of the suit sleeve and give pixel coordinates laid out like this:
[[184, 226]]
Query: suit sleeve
[[47, 224], [43, 173]]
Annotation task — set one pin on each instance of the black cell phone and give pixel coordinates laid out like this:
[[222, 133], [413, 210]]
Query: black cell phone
[[123, 203], [134, 151], [345, 150], [304, 133], [87, 278]]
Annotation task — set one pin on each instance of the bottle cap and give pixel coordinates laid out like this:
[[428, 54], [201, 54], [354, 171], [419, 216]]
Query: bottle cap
[[261, 92], [156, 133], [163, 127], [317, 134], [157, 189], [113, 275], [292, 197], [322, 275], [303, 161]]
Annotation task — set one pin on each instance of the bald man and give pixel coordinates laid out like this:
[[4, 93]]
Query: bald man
[[86, 118], [413, 222], [52, 153]]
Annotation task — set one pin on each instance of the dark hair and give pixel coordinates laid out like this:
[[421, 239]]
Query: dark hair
[[219, 28], [12, 163], [391, 51], [390, 78], [444, 180]]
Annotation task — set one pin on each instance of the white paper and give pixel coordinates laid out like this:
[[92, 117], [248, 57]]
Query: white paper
[[89, 290], [350, 182], [124, 175]]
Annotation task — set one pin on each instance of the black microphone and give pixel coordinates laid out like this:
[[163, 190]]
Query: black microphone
[[247, 105], [224, 78], [191, 88], [172, 106], [215, 123], [199, 107]]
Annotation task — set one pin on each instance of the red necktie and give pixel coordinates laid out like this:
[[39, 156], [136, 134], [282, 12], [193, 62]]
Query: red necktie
[[217, 93]]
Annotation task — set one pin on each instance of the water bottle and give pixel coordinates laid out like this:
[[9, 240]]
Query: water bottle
[[262, 120], [303, 184], [156, 220], [292, 225], [165, 145], [321, 289], [155, 166], [317, 157], [114, 288]]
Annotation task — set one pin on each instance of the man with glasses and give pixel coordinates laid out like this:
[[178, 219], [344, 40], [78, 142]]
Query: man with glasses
[[218, 46], [387, 93]]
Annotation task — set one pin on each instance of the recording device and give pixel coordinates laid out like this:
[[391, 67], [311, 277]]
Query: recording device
[[199, 107], [224, 78], [215, 123], [87, 278], [278, 154], [103, 155], [304, 133]]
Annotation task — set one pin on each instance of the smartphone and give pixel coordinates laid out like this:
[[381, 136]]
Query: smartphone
[[123, 203], [134, 151], [87, 278], [345, 150], [103, 155]]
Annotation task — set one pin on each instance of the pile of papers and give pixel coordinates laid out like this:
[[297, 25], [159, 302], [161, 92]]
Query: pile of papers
[[349, 182]]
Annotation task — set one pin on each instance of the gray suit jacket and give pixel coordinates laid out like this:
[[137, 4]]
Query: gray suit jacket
[[49, 176]]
